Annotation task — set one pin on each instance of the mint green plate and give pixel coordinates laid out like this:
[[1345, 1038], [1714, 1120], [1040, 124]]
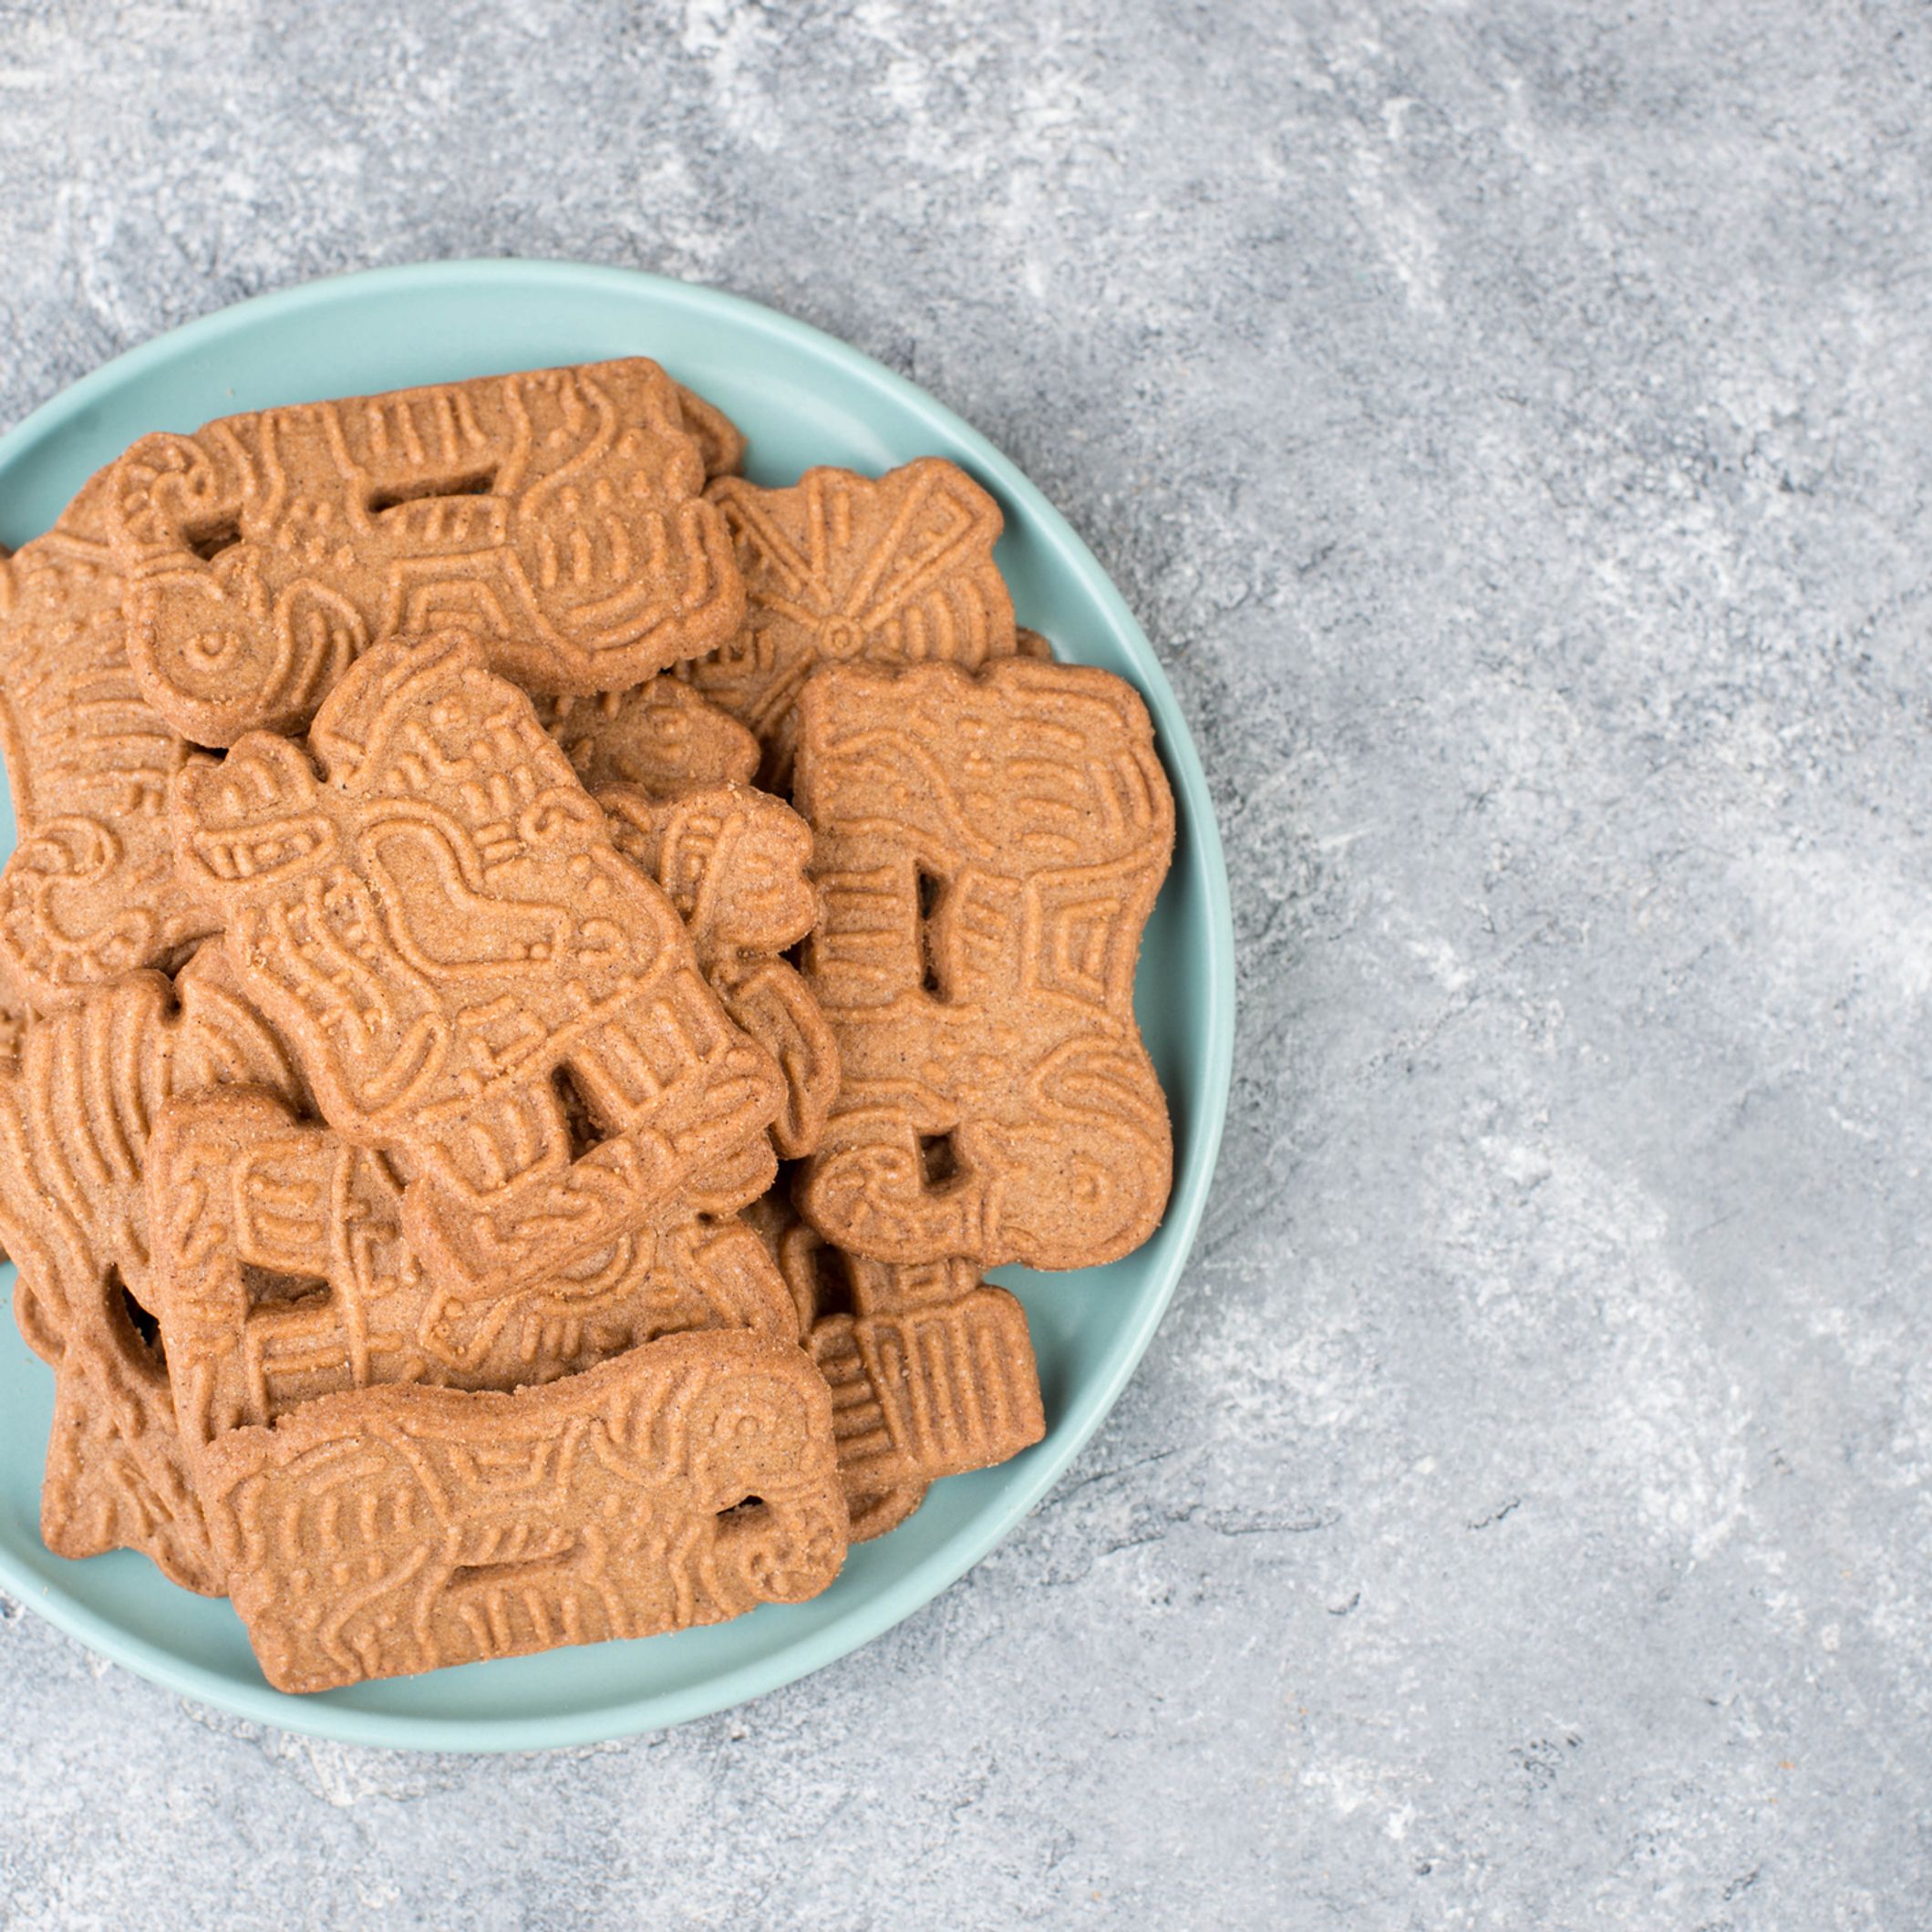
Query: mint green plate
[[802, 399]]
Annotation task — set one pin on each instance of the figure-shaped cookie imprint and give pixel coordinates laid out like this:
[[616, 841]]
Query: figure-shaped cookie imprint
[[280, 1274], [734, 862], [443, 930], [89, 891], [931, 1369], [76, 1115], [662, 736], [988, 850], [840, 568], [558, 513], [396, 1530]]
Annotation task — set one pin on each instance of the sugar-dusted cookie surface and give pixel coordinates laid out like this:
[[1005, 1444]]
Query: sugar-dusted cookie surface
[[842, 568], [77, 1111], [89, 889], [441, 926], [279, 1273], [988, 849], [559, 513], [734, 862], [400, 1529]]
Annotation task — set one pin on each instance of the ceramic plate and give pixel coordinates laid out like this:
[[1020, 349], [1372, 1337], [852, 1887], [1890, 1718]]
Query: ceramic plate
[[802, 399]]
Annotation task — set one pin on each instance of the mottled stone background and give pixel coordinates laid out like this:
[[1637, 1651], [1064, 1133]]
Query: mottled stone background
[[1511, 423]]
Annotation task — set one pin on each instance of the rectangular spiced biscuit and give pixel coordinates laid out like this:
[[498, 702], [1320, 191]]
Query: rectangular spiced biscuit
[[988, 849], [395, 1530]]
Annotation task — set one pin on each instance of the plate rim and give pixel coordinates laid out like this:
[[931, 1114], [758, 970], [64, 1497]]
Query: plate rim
[[944, 1566]]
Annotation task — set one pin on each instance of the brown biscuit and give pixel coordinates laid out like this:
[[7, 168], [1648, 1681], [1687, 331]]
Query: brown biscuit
[[280, 1274], [442, 929], [870, 1514], [721, 442], [1030, 643], [76, 1115], [819, 1287], [734, 862], [558, 513], [931, 1369], [988, 850], [395, 1530], [89, 891], [841, 567], [771, 1217], [662, 736]]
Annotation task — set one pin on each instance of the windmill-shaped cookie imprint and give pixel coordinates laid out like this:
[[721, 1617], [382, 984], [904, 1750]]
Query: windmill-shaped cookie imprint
[[841, 568]]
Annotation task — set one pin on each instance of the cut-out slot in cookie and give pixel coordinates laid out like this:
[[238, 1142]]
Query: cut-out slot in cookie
[[270, 1288], [418, 490], [146, 1329], [579, 1121], [932, 893], [939, 1159], [831, 1282], [517, 1571], [208, 541]]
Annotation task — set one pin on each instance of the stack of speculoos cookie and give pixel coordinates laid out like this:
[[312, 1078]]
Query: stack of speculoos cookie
[[539, 976]]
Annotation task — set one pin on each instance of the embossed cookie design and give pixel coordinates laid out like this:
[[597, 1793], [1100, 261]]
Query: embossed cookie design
[[441, 927], [398, 1529], [931, 1369], [733, 861], [841, 568], [721, 442], [556, 513], [77, 1111], [552, 1198], [987, 851], [89, 891], [280, 1274], [662, 737]]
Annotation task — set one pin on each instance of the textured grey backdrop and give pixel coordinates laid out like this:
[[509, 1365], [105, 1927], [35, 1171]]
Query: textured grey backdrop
[[1512, 424]]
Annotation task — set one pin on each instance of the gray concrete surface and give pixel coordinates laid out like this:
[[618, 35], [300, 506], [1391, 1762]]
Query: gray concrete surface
[[1512, 424]]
